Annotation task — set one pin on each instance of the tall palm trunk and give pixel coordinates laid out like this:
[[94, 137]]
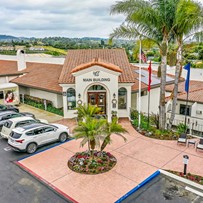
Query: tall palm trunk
[[162, 108], [177, 76]]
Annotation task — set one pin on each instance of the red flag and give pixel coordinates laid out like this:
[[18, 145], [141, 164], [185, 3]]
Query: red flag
[[150, 76]]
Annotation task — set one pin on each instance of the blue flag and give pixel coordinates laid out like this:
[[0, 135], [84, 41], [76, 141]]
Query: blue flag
[[187, 80]]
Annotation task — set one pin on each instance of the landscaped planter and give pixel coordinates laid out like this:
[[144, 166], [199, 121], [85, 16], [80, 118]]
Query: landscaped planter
[[192, 177], [84, 162]]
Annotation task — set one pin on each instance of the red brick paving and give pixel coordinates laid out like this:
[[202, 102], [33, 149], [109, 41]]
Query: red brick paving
[[137, 159]]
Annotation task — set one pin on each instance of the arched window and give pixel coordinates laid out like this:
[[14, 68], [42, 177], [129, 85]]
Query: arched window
[[122, 98], [71, 99]]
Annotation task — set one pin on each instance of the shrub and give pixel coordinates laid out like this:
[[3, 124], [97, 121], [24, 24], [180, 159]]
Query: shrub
[[181, 128], [39, 103]]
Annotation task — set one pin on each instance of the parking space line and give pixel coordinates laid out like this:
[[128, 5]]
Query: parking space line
[[7, 149]]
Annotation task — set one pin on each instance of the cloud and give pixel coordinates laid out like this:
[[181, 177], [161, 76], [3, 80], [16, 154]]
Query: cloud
[[40, 18]]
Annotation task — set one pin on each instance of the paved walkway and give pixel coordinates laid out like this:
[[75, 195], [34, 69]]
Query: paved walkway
[[39, 113], [137, 159]]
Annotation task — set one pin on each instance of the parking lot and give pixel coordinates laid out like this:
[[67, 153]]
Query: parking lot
[[163, 189], [17, 186]]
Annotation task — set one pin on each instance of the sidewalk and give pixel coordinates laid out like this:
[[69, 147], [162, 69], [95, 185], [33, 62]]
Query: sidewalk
[[137, 159]]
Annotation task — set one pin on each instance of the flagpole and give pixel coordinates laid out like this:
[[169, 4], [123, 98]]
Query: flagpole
[[149, 88], [139, 100], [186, 113], [148, 106], [187, 67]]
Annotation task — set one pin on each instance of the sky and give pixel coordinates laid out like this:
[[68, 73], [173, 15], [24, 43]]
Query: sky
[[67, 18]]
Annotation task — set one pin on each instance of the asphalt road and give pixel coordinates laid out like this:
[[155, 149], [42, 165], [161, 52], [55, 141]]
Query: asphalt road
[[163, 189], [17, 186]]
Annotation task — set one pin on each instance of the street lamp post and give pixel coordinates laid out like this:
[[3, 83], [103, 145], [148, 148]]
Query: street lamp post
[[185, 161]]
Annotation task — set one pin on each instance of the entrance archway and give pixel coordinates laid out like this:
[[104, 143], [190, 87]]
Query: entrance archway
[[96, 95]]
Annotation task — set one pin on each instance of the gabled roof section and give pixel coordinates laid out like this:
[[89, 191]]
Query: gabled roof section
[[97, 62], [41, 76], [77, 58], [9, 68]]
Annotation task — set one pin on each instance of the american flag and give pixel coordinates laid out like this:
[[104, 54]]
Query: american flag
[[143, 57]]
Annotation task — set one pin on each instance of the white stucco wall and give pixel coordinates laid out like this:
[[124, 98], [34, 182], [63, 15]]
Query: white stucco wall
[[84, 79], [3, 80], [154, 101], [54, 97], [195, 121]]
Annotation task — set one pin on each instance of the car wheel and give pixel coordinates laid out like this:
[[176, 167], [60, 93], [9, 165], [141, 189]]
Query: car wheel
[[31, 148], [63, 137]]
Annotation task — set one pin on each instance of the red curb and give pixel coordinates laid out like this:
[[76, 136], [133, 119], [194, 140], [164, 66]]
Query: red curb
[[46, 182]]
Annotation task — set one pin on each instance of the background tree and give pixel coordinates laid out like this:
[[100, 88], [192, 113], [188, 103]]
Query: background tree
[[152, 20], [188, 18]]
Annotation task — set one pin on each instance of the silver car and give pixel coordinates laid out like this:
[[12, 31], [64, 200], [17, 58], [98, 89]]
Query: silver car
[[29, 137]]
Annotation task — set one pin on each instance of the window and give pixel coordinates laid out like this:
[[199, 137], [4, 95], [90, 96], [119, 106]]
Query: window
[[15, 135], [122, 98], [2, 107], [144, 93], [22, 123], [183, 108], [48, 129], [8, 124], [30, 133], [38, 131], [96, 88], [71, 100]]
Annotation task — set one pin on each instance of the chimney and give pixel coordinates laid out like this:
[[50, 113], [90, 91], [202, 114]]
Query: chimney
[[21, 60]]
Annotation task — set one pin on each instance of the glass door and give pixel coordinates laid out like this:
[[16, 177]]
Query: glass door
[[99, 99]]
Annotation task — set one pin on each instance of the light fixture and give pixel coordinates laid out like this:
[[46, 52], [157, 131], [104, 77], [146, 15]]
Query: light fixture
[[185, 161], [79, 95], [114, 95]]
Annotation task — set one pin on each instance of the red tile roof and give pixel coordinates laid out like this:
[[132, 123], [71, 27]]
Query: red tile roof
[[117, 57], [193, 96], [194, 85], [97, 62], [9, 68], [41, 76]]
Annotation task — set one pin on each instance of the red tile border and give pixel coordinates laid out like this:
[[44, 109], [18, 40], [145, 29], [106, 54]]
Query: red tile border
[[58, 191]]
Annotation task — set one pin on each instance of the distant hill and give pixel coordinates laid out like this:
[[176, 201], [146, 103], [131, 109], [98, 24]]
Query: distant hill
[[9, 38]]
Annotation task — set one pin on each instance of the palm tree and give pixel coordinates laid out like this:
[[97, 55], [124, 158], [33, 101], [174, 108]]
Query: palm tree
[[189, 18], [87, 110], [111, 128], [90, 131], [152, 20]]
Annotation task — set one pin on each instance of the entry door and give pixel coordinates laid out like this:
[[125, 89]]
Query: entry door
[[99, 99]]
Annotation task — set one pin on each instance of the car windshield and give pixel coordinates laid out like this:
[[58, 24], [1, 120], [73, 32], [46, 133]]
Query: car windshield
[[15, 135], [8, 124], [2, 107]]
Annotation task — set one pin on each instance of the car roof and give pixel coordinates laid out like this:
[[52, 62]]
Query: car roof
[[23, 118], [31, 126], [7, 112]]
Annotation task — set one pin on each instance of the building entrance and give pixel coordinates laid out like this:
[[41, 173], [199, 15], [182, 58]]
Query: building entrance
[[97, 96]]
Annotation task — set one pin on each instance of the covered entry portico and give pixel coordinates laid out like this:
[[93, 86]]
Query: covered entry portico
[[97, 81]]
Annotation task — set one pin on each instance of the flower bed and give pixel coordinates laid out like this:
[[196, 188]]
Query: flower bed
[[189, 176], [84, 162]]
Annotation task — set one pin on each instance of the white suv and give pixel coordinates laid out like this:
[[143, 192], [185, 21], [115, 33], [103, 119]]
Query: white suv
[[10, 124], [29, 137]]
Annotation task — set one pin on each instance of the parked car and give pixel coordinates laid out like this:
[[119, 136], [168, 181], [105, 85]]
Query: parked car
[[4, 116], [10, 124], [8, 108], [29, 137]]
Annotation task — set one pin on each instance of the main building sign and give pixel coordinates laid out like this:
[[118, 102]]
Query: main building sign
[[96, 78]]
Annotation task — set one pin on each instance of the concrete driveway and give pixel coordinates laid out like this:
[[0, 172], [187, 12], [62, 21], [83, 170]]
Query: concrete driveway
[[39, 113], [137, 159]]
